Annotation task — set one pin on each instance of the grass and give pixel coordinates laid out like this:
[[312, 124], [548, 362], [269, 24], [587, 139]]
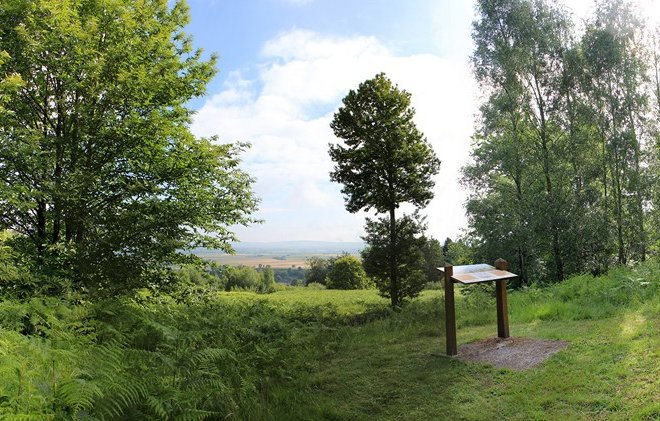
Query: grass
[[393, 368], [305, 354]]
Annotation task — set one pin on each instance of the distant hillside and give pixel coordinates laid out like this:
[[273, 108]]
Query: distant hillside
[[291, 247]]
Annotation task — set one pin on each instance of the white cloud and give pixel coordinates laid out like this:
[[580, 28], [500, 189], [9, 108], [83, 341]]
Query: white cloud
[[285, 113]]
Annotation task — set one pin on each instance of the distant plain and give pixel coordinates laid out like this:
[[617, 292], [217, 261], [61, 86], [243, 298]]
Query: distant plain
[[274, 261], [280, 255]]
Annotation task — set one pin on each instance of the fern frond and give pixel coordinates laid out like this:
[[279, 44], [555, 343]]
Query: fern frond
[[78, 394], [193, 414], [28, 417], [157, 406], [212, 354]]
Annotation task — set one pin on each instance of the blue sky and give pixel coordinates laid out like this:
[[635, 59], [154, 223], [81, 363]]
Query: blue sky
[[284, 67]]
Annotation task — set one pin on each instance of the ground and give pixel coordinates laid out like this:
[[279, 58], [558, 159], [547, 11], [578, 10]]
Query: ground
[[512, 353]]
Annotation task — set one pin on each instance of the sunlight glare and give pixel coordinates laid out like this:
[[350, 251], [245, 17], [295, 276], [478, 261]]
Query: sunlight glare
[[649, 10]]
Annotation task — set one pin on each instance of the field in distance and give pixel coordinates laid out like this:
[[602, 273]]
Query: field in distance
[[274, 261], [279, 255]]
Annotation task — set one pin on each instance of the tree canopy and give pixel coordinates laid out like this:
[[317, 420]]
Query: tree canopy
[[346, 272], [385, 160], [566, 147], [97, 162]]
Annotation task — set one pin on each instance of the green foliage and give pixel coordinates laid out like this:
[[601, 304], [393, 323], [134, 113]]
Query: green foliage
[[346, 272], [101, 174], [157, 359], [209, 278], [458, 252], [267, 280], [384, 161], [588, 297], [583, 381], [409, 252], [433, 258], [562, 178], [318, 269], [242, 278], [290, 276]]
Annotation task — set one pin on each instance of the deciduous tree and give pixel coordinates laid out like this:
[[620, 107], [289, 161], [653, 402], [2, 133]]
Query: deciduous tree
[[96, 155]]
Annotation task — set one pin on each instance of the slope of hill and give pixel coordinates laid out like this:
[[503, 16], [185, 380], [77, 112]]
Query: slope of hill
[[308, 354]]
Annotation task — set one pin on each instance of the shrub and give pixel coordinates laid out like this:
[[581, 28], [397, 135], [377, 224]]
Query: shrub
[[347, 273]]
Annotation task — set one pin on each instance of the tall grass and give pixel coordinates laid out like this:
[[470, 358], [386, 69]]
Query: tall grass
[[587, 297]]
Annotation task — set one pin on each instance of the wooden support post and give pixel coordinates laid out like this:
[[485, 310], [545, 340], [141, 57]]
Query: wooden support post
[[502, 306], [450, 311]]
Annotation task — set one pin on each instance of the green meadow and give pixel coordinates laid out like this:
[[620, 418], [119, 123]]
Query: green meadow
[[303, 353]]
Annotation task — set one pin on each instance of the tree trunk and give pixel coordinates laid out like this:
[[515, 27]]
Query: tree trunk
[[554, 228], [394, 281], [606, 210], [637, 186], [41, 227], [618, 201], [522, 243], [57, 174]]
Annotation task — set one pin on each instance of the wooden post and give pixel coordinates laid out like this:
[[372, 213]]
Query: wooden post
[[502, 306], [450, 311]]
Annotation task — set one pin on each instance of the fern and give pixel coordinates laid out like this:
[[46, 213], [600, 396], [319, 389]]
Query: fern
[[157, 407], [78, 394]]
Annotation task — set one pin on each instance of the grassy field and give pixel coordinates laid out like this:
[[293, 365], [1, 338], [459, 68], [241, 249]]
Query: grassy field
[[393, 368], [309, 354]]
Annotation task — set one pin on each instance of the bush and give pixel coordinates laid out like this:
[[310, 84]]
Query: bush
[[347, 273], [400, 273], [246, 278]]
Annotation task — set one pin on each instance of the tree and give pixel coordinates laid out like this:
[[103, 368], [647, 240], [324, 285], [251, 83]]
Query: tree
[[243, 278], [384, 161], [433, 258], [561, 176], [97, 157], [654, 169], [615, 61], [518, 54], [459, 253], [318, 269], [346, 272], [267, 280], [9, 83], [409, 249]]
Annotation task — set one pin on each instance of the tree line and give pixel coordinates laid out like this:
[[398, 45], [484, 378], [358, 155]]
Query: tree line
[[564, 174]]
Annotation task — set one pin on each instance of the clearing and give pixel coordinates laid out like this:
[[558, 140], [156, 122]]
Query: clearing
[[390, 369]]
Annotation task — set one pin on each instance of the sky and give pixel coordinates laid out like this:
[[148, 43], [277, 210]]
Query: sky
[[284, 67]]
